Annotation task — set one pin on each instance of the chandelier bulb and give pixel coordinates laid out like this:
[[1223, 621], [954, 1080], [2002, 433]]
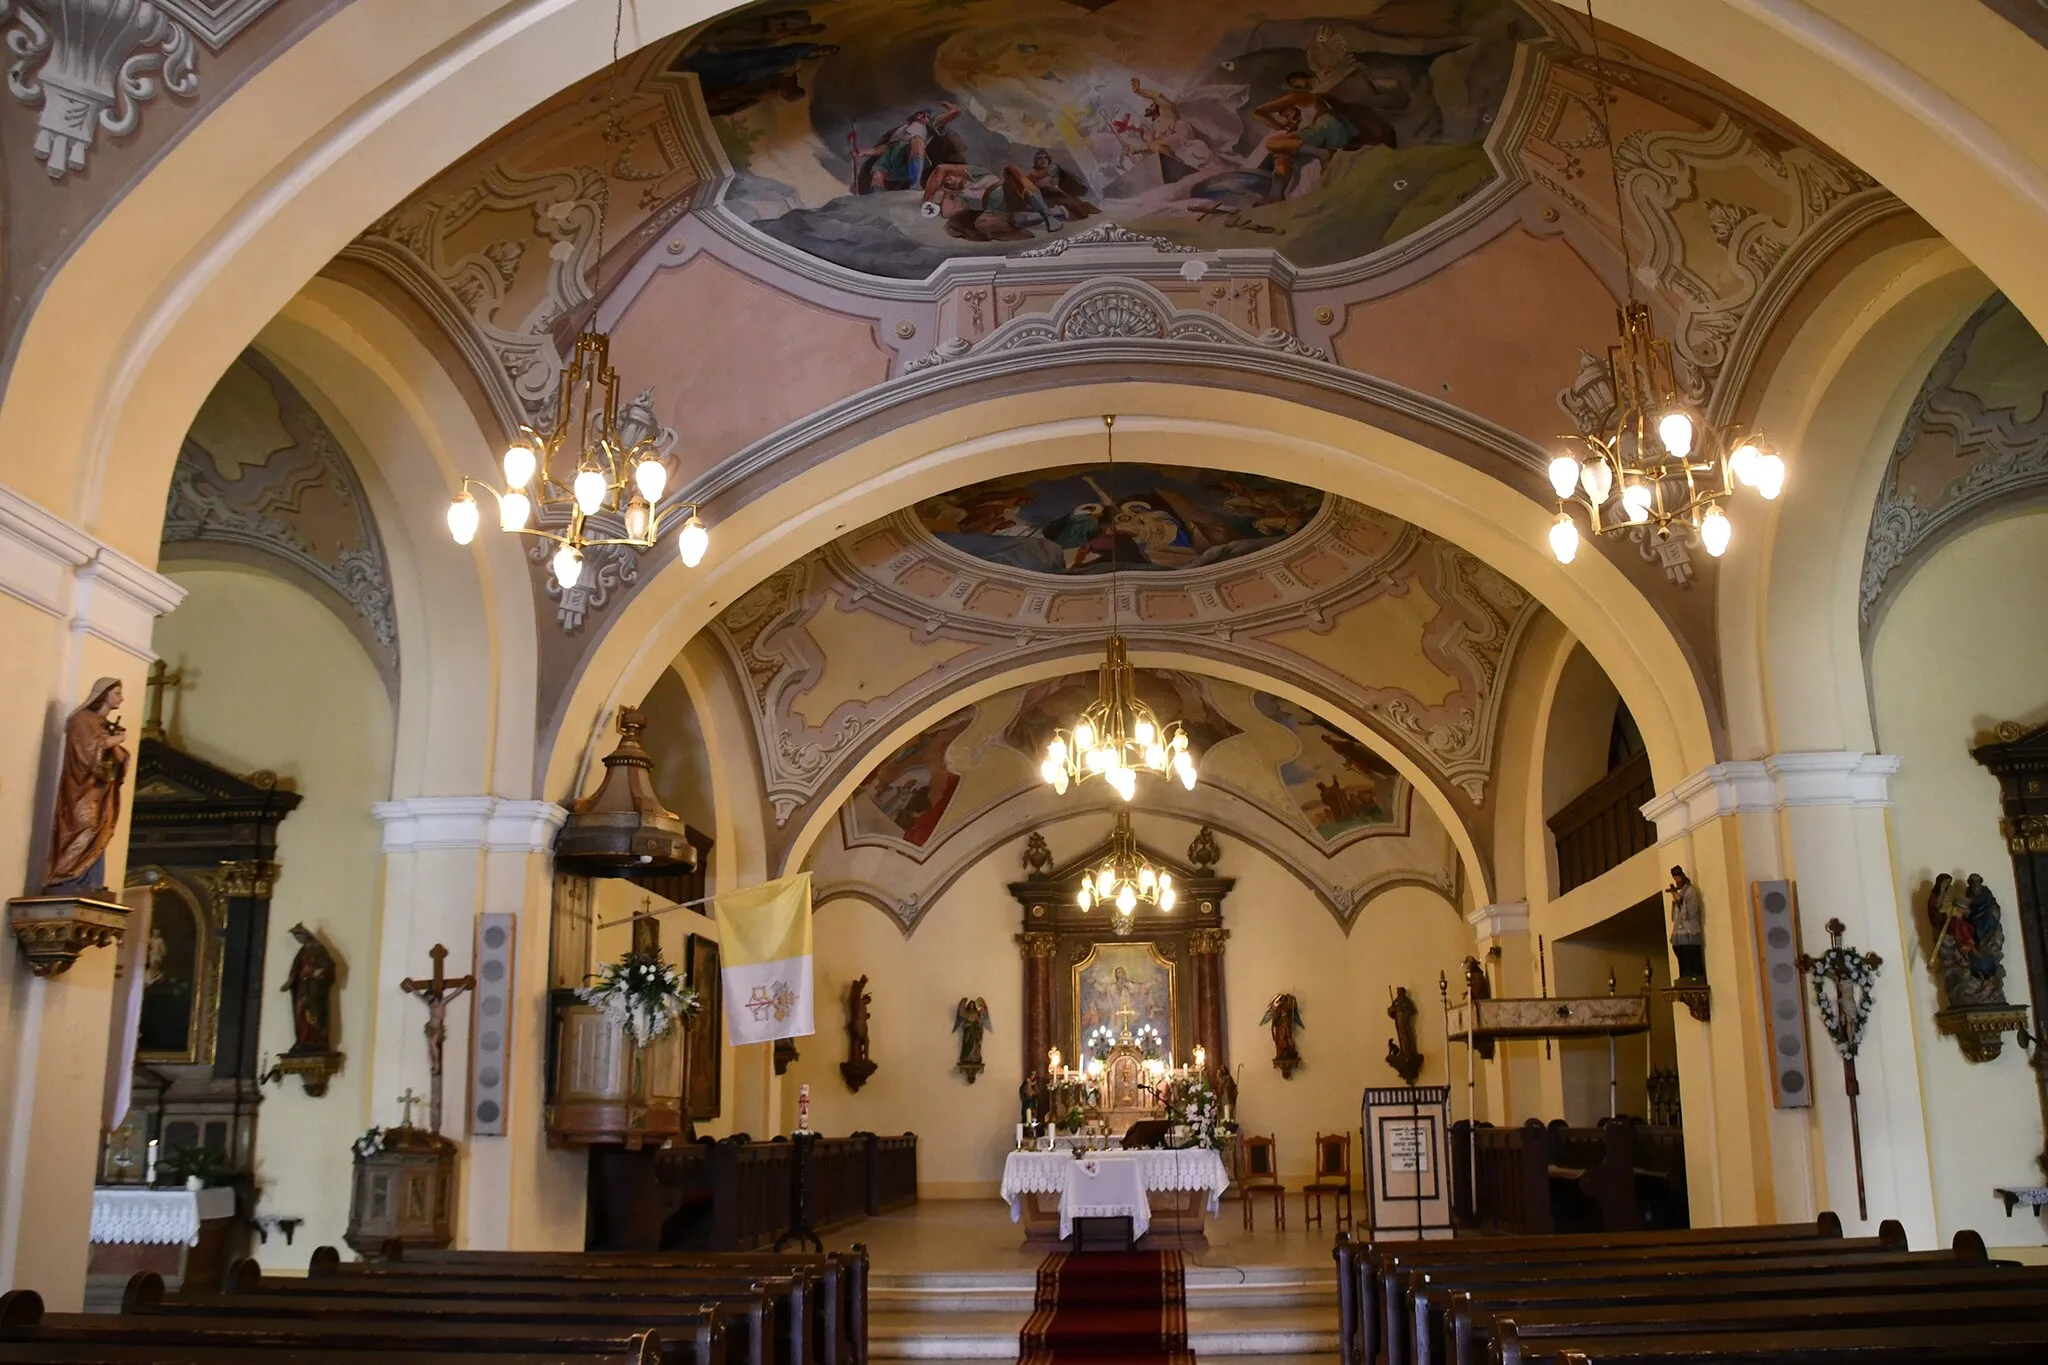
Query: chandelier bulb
[[1674, 429], [1059, 783], [639, 516], [513, 510], [589, 489], [1564, 475], [1086, 898], [1056, 752], [1742, 463], [650, 475], [1105, 882], [1167, 896], [1770, 476], [1147, 879], [693, 542], [1155, 757], [463, 518], [1564, 538], [1126, 900], [1635, 501], [568, 566], [520, 463], [1144, 733], [1185, 769], [1084, 736], [1597, 478], [1715, 531]]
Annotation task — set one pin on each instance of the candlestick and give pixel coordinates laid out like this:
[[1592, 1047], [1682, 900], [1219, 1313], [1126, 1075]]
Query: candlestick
[[149, 1167], [803, 1108]]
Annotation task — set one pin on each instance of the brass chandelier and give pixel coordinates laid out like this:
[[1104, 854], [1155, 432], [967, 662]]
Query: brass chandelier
[[580, 467], [1117, 736], [1124, 879], [1654, 461]]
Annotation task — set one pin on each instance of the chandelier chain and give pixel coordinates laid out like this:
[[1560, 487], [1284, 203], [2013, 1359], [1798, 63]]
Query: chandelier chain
[[1606, 96]]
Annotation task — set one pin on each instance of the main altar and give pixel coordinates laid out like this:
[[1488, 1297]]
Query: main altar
[[1112, 1021]]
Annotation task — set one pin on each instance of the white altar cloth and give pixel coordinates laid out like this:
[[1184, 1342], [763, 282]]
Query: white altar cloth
[[1111, 1184], [156, 1217]]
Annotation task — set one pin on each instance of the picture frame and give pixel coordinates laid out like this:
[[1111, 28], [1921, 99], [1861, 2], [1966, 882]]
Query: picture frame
[[705, 1083]]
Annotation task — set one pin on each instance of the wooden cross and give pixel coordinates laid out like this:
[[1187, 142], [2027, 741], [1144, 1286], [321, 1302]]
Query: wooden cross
[[436, 992], [159, 681], [408, 1100]]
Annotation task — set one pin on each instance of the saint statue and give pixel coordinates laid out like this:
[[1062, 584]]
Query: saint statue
[[1402, 1053], [1969, 942], [970, 1021], [88, 795], [1688, 916], [857, 1002], [1284, 1014], [311, 984]]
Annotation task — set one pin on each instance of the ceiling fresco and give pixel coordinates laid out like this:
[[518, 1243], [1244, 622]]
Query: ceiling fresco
[[886, 137], [1095, 519]]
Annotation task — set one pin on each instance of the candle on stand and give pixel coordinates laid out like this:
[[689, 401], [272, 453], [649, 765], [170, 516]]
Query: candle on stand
[[149, 1168], [1201, 1056], [803, 1108]]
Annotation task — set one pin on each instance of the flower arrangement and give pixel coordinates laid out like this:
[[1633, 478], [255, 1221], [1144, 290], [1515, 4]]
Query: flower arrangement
[[1193, 1101], [641, 994], [370, 1143]]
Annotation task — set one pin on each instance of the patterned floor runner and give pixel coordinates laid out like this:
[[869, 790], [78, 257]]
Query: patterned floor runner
[[1124, 1306]]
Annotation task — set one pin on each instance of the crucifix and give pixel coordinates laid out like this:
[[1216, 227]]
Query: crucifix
[[436, 992], [160, 680], [407, 1101], [1845, 987]]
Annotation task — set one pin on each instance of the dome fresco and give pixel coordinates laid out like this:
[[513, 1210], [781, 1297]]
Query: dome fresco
[[1144, 518], [887, 137]]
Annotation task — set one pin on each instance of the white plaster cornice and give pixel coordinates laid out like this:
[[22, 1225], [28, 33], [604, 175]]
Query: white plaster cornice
[[59, 569], [1497, 921], [486, 824], [1828, 777]]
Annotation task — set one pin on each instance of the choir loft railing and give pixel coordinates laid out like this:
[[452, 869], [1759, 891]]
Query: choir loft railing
[[1603, 826]]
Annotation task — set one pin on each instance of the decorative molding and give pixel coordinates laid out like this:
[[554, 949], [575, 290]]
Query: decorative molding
[[62, 571], [1774, 783], [93, 64], [1498, 921], [1106, 234], [1116, 308], [491, 824]]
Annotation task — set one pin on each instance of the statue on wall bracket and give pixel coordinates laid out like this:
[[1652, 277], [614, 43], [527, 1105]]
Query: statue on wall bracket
[[311, 982], [1284, 1017], [858, 1066], [1968, 956], [1402, 1053], [75, 910], [970, 1021]]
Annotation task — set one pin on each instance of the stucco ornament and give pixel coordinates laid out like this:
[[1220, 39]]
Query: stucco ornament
[[93, 64]]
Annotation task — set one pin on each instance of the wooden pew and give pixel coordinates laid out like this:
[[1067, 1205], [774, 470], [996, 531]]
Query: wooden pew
[[1949, 1344], [843, 1276], [28, 1334], [1423, 1338], [692, 1330], [1360, 1286], [766, 1317], [1520, 1339], [1394, 1269], [1472, 1312]]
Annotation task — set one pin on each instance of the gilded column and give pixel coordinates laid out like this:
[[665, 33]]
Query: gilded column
[[1206, 949]]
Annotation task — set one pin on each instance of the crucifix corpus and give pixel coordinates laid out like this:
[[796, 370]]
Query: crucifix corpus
[[1844, 987], [436, 992]]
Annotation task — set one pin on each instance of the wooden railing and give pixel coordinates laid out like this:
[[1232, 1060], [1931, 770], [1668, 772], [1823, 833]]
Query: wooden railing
[[739, 1195], [839, 1181], [1603, 826], [892, 1172], [1619, 1177]]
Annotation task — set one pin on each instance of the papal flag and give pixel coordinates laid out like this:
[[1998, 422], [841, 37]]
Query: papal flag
[[764, 936]]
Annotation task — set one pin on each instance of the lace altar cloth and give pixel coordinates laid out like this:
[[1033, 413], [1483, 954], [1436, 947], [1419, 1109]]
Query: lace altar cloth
[[1111, 1184], [156, 1217]]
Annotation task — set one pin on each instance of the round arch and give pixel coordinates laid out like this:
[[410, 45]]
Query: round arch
[[131, 330], [1174, 424]]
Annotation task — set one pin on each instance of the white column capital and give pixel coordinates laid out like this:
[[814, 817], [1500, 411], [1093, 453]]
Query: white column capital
[[1496, 921], [491, 824], [1830, 777], [57, 568]]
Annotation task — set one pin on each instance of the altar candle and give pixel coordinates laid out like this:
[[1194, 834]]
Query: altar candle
[[803, 1108], [149, 1168]]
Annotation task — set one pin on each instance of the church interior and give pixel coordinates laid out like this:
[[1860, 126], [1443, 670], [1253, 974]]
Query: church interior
[[1024, 679]]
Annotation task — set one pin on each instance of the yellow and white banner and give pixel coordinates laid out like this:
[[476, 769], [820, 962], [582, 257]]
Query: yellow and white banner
[[764, 936]]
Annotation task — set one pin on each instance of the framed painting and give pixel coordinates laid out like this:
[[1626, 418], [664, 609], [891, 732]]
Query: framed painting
[[707, 1031], [179, 1019], [1125, 990]]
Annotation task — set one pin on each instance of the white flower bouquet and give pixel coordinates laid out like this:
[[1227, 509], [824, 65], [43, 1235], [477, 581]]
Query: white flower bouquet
[[641, 994]]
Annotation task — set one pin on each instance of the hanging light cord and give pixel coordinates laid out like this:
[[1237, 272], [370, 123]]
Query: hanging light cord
[[1115, 612], [611, 132], [1628, 273]]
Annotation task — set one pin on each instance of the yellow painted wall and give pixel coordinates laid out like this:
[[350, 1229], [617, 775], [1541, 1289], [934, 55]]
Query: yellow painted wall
[[1282, 939], [275, 681], [1964, 646]]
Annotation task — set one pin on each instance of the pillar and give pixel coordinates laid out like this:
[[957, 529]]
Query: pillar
[[1818, 819], [447, 859], [1036, 948], [1510, 1085], [1205, 950], [71, 609]]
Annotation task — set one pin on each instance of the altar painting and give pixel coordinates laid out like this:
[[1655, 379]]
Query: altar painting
[[1341, 786], [1124, 985], [887, 137]]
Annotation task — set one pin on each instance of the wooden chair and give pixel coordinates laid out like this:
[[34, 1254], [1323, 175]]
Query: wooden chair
[[1333, 1177], [1262, 1178]]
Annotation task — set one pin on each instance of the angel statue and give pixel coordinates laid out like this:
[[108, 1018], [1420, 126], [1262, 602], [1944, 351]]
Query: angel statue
[[970, 1021], [1284, 1015]]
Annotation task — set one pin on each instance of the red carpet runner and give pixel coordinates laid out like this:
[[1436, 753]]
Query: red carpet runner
[[1127, 1306]]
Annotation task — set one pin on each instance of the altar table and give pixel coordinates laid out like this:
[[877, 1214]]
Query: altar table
[[182, 1234], [1167, 1191]]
